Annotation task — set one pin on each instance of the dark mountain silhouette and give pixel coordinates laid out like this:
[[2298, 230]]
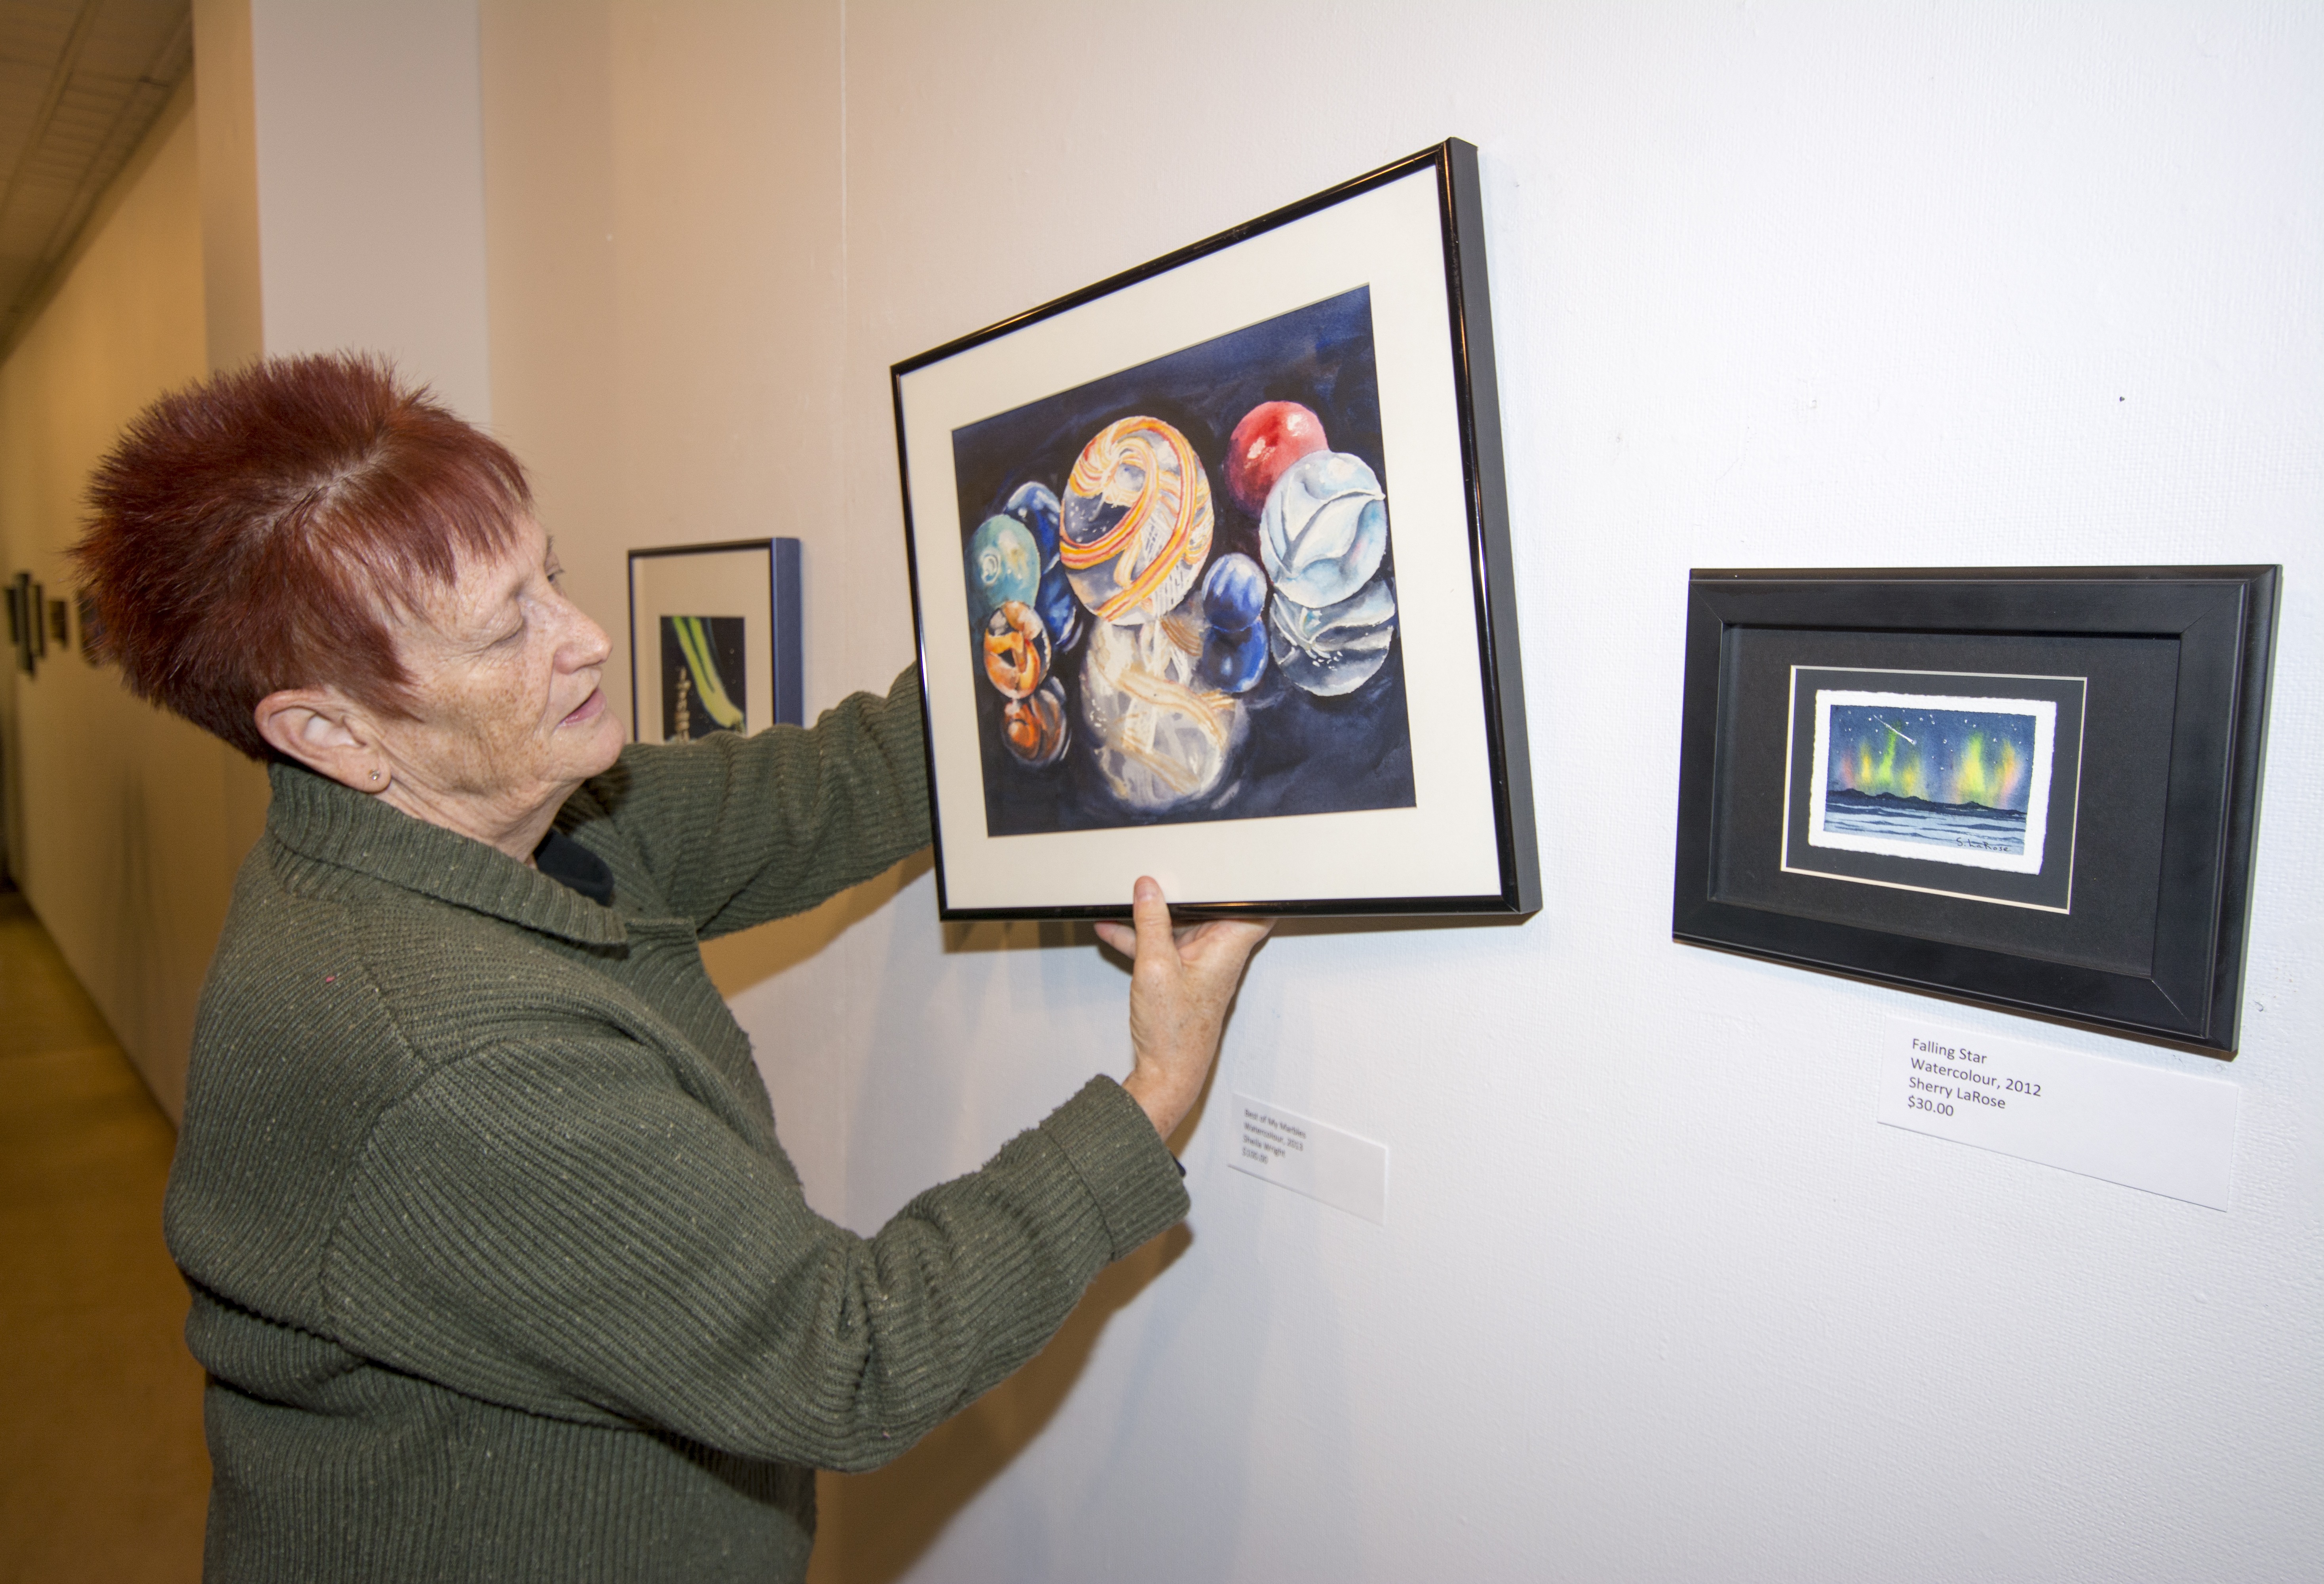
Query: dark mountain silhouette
[[1844, 797]]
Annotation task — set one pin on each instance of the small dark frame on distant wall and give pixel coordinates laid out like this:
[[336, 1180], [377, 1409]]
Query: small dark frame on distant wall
[[1211, 572], [21, 637], [29, 622], [714, 639], [2033, 789]]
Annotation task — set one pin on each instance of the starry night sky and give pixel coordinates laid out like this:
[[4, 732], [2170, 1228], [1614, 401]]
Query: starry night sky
[[1938, 755]]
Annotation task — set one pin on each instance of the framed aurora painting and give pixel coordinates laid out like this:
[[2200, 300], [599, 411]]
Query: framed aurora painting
[[1210, 573], [2033, 789]]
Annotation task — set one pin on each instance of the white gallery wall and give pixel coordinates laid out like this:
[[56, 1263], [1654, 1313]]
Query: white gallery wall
[[1782, 284]]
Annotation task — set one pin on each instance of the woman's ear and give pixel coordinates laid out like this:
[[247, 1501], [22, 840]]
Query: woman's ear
[[328, 733]]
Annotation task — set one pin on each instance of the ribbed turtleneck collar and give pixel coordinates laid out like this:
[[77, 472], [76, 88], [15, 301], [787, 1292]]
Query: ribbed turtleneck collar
[[319, 818]]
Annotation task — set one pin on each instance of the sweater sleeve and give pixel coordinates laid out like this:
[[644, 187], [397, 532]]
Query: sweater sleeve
[[732, 831], [583, 1239]]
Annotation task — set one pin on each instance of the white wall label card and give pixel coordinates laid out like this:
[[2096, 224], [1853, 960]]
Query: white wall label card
[[2146, 1127], [1311, 1157]]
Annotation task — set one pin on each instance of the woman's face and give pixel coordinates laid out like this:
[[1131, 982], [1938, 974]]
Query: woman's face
[[508, 718]]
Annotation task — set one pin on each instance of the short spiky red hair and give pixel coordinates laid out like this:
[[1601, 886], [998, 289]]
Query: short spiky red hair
[[262, 530]]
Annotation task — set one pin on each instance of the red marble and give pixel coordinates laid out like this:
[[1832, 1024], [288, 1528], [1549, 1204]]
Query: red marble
[[1272, 437]]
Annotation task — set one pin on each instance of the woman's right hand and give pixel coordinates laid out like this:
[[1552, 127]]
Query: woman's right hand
[[1181, 983]]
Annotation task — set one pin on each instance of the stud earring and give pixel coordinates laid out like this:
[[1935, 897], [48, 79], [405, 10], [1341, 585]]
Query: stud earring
[[374, 775]]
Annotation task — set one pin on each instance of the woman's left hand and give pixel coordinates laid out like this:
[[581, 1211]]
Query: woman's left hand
[[1182, 981]]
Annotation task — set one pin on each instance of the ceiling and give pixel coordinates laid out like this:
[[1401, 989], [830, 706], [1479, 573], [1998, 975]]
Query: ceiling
[[80, 82]]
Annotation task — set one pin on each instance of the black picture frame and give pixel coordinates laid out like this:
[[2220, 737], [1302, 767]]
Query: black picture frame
[[1233, 850], [2176, 661], [21, 637]]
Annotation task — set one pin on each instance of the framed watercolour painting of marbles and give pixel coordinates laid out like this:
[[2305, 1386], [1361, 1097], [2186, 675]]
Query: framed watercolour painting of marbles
[[1210, 574]]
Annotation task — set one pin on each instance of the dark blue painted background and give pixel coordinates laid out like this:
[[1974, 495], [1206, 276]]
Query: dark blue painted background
[[1303, 754]]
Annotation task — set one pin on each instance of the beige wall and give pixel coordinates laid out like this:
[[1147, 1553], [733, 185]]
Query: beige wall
[[1768, 286], [369, 194], [124, 824], [1784, 284], [670, 330], [226, 129], [665, 288]]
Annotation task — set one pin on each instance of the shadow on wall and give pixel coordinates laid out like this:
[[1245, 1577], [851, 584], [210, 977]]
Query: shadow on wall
[[878, 1528], [877, 1525], [1015, 934], [737, 962]]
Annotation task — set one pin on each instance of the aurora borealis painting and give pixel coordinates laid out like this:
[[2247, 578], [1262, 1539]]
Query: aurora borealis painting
[[1947, 779], [1958, 757]]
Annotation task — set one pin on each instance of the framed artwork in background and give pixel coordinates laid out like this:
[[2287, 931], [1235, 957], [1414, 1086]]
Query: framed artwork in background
[[1211, 576], [33, 647], [714, 640], [21, 638], [2033, 789]]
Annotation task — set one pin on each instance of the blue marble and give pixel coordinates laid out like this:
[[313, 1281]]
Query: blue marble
[[1035, 505], [1061, 612], [1004, 563], [1233, 660], [1234, 593]]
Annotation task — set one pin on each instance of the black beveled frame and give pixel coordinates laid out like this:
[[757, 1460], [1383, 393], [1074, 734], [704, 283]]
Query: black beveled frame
[[2224, 619], [1477, 394]]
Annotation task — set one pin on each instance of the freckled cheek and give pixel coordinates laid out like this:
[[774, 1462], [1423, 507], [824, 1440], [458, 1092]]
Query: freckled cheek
[[497, 735]]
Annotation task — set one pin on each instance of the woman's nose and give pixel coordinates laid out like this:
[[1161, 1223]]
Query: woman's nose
[[585, 643]]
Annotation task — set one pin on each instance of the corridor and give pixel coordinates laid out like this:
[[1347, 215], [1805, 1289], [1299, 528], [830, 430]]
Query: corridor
[[102, 1472]]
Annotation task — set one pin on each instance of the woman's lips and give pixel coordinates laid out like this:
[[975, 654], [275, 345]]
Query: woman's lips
[[587, 710]]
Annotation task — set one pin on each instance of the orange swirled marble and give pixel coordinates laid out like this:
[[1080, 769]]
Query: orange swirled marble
[[1035, 729], [1017, 652], [1136, 526]]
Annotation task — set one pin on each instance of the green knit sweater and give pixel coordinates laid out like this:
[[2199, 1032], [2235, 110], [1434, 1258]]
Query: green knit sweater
[[498, 1270]]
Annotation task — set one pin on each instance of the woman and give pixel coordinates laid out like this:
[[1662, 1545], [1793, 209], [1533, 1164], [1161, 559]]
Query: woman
[[498, 1269]]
